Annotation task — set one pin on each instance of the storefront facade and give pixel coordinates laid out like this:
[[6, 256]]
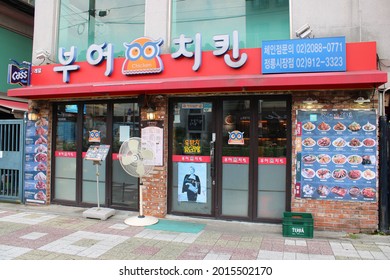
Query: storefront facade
[[225, 125]]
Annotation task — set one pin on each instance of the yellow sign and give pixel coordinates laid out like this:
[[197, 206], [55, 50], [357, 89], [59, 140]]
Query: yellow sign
[[192, 147]]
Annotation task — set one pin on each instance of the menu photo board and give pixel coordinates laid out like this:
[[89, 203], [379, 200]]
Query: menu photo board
[[36, 161], [337, 157], [97, 152]]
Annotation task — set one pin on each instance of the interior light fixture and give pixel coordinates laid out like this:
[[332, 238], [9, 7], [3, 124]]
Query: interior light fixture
[[360, 100], [33, 115], [309, 101], [149, 108], [151, 114]]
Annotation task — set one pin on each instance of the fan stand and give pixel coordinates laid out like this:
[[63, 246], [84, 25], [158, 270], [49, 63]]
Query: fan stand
[[141, 220]]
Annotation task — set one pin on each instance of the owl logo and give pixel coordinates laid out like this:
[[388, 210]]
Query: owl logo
[[236, 137], [142, 57], [94, 136]]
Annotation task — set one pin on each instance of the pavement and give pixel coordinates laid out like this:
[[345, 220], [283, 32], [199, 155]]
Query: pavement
[[54, 232]]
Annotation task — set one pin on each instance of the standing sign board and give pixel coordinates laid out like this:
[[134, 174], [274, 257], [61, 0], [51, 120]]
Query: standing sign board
[[97, 152]]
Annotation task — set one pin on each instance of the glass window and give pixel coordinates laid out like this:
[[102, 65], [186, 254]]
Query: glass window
[[255, 20], [272, 128], [125, 125], [83, 23], [65, 152]]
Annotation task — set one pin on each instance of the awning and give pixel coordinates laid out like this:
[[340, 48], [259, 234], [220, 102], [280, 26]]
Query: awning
[[11, 106], [276, 82]]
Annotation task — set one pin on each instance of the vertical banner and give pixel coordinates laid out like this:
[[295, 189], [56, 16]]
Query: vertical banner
[[338, 160], [192, 182], [36, 161]]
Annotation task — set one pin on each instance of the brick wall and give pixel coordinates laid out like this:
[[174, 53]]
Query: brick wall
[[334, 215], [155, 183]]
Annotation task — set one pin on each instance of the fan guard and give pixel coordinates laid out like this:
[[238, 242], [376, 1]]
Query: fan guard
[[135, 157]]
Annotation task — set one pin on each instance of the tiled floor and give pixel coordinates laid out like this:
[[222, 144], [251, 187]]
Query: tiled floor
[[33, 235]]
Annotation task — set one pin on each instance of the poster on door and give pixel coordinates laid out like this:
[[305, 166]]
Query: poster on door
[[36, 161], [337, 157], [192, 182]]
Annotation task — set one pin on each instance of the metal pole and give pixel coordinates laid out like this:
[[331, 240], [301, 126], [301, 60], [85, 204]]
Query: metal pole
[[141, 210], [383, 166], [97, 183]]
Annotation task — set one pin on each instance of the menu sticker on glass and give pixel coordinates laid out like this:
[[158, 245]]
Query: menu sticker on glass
[[338, 160]]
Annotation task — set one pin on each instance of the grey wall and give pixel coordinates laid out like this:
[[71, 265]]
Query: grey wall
[[357, 20]]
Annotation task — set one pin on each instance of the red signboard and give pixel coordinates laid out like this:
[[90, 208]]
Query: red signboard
[[213, 74]]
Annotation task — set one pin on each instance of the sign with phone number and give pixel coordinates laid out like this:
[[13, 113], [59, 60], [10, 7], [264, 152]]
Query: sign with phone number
[[304, 55]]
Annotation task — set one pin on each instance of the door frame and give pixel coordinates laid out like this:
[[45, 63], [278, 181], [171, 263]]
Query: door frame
[[217, 102], [107, 165]]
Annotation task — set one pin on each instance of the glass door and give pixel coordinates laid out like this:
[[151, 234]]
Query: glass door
[[272, 127], [229, 157], [192, 127], [94, 118], [125, 124], [235, 160], [65, 152]]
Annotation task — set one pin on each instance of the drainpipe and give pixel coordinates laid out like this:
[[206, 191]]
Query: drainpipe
[[383, 166]]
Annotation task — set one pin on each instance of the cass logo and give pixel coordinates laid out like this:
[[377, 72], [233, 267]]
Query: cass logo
[[17, 74], [142, 57]]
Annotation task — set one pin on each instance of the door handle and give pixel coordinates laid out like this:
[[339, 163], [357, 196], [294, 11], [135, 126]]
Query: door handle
[[212, 158]]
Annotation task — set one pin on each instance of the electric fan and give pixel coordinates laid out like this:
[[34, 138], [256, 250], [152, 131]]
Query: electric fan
[[134, 157]]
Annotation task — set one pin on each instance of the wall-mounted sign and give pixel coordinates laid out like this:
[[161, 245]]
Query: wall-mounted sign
[[304, 55], [152, 132], [35, 175], [143, 55], [338, 158], [19, 73]]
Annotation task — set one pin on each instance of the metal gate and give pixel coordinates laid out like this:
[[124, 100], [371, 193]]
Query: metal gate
[[11, 160]]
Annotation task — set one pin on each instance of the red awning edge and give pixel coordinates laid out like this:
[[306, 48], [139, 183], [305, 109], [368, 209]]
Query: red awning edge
[[14, 105], [302, 81]]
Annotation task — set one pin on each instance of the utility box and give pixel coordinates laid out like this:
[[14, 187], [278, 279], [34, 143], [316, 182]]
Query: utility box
[[298, 224]]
